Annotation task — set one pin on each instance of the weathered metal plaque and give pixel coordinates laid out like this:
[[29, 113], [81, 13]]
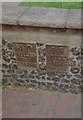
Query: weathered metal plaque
[[26, 54], [57, 58]]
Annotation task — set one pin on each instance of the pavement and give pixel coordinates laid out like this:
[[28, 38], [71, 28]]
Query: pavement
[[0, 103], [15, 14], [20, 103]]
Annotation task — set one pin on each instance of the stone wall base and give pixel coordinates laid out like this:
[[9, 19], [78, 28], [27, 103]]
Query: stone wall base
[[42, 58]]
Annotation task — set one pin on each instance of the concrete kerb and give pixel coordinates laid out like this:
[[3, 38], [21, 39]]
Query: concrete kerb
[[10, 3], [42, 17], [10, 14], [74, 19]]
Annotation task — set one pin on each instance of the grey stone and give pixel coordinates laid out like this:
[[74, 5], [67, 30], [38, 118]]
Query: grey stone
[[11, 14], [10, 45], [15, 76], [0, 4], [12, 66], [38, 77], [45, 17], [10, 71], [6, 59], [74, 70], [75, 51], [64, 81], [0, 14], [74, 19], [41, 59], [48, 78], [4, 42], [10, 4], [42, 66], [5, 66]]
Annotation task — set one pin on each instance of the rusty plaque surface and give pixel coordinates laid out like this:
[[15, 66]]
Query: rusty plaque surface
[[26, 54], [57, 58]]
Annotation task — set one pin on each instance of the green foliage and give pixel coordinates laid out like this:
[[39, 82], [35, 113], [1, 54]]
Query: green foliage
[[50, 88], [65, 5], [29, 86]]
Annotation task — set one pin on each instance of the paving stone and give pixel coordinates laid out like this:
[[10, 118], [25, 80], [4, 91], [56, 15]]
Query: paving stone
[[40, 104], [50, 17], [66, 105], [0, 4], [0, 102], [11, 14], [0, 14], [10, 4], [45, 17], [74, 19]]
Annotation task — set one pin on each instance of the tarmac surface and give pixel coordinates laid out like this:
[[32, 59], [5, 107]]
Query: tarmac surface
[[20, 103]]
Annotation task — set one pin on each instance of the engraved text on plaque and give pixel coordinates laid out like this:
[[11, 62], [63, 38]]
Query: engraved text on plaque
[[57, 58], [26, 54]]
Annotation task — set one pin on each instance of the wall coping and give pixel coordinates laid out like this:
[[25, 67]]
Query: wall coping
[[13, 14]]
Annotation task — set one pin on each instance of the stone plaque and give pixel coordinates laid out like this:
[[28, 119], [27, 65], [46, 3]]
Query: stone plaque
[[57, 58], [26, 54]]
